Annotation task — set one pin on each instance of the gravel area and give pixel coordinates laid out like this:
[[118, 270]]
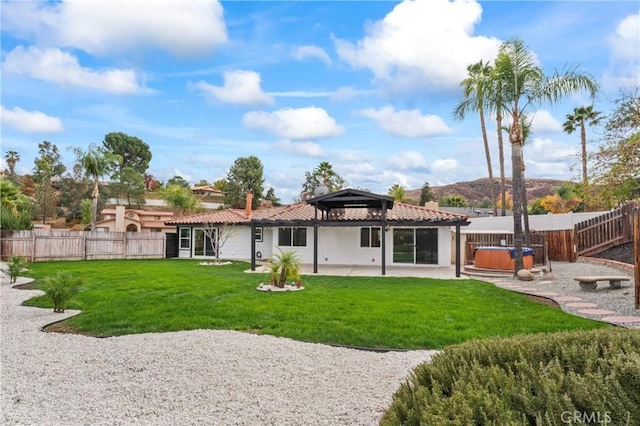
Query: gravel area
[[621, 301], [185, 378]]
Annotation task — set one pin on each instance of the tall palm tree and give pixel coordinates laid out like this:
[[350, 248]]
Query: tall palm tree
[[581, 117], [524, 86], [475, 100], [11, 157], [96, 163]]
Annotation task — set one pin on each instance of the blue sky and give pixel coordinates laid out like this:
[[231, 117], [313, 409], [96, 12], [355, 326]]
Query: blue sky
[[366, 85]]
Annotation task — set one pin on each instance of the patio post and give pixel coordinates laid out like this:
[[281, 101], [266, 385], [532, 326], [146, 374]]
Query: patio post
[[383, 237], [457, 249], [315, 239], [253, 245]]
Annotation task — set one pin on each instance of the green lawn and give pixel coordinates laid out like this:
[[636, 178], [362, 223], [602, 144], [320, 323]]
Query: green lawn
[[141, 296]]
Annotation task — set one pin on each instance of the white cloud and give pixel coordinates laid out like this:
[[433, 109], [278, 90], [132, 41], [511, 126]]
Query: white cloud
[[406, 123], [421, 44], [102, 27], [56, 66], [30, 121], [305, 52], [444, 165], [547, 150], [543, 122], [409, 160], [309, 149], [624, 63], [346, 93], [299, 124], [240, 87]]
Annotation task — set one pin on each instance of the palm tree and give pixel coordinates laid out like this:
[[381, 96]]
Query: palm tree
[[475, 99], [96, 163], [397, 192], [581, 117], [11, 157], [525, 85]]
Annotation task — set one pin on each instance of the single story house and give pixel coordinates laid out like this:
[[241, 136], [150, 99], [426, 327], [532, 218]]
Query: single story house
[[347, 227], [121, 219]]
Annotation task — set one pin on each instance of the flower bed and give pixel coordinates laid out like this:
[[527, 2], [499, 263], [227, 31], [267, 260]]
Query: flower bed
[[287, 287]]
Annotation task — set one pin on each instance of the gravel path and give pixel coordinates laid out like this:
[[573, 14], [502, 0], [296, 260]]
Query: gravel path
[[185, 378], [619, 304]]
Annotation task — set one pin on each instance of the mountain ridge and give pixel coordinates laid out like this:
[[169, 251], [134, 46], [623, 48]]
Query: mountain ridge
[[475, 191]]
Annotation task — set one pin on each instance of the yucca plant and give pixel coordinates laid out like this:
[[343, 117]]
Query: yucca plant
[[287, 264], [15, 267], [60, 288]]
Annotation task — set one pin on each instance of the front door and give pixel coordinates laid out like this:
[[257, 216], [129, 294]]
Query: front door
[[415, 246]]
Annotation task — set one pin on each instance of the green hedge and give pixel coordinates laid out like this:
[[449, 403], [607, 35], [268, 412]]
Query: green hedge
[[584, 377]]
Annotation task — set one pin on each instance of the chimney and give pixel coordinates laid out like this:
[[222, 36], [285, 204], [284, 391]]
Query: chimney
[[247, 209], [433, 205]]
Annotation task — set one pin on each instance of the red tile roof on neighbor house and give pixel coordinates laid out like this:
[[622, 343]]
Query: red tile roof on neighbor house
[[304, 212]]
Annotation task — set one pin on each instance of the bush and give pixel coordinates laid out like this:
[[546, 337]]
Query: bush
[[60, 288], [585, 377], [15, 267]]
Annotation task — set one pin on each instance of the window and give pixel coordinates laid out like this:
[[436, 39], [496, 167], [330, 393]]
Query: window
[[185, 238], [296, 237], [258, 235], [369, 237]]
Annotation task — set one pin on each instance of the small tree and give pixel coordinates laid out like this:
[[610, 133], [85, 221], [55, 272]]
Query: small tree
[[15, 267], [453, 200], [60, 288], [218, 234]]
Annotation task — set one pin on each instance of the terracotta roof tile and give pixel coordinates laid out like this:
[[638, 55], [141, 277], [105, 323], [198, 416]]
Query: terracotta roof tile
[[305, 212]]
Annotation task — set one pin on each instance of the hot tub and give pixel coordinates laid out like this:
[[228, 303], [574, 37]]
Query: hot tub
[[501, 258]]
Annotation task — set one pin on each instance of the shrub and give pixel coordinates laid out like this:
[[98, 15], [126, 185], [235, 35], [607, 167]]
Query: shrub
[[15, 267], [60, 288], [587, 377]]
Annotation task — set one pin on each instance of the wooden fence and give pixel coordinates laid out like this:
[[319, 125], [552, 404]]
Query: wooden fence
[[585, 239], [603, 232], [68, 245]]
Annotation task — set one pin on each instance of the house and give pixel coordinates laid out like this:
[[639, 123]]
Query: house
[[347, 227], [131, 220], [209, 190]]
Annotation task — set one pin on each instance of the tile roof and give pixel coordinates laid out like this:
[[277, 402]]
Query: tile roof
[[305, 212]]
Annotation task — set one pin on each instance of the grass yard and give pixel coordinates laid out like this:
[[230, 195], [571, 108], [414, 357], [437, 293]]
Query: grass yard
[[142, 296]]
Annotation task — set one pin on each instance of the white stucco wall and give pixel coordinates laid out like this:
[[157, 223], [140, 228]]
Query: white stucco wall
[[336, 246]]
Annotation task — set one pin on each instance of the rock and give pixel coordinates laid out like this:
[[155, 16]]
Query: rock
[[525, 275]]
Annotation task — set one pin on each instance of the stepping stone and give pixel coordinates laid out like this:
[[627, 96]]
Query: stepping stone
[[545, 293], [596, 312], [568, 299], [545, 282], [582, 305], [526, 289], [622, 319]]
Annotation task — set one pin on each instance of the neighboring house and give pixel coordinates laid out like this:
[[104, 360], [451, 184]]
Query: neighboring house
[[130, 220], [207, 190], [340, 228]]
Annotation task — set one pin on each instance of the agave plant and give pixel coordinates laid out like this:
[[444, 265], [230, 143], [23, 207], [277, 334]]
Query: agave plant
[[287, 264]]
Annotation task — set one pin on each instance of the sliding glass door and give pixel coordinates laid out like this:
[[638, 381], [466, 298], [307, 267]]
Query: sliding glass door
[[202, 244], [415, 246]]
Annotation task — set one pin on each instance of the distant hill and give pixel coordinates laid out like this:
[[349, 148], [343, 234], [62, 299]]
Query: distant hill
[[476, 190]]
